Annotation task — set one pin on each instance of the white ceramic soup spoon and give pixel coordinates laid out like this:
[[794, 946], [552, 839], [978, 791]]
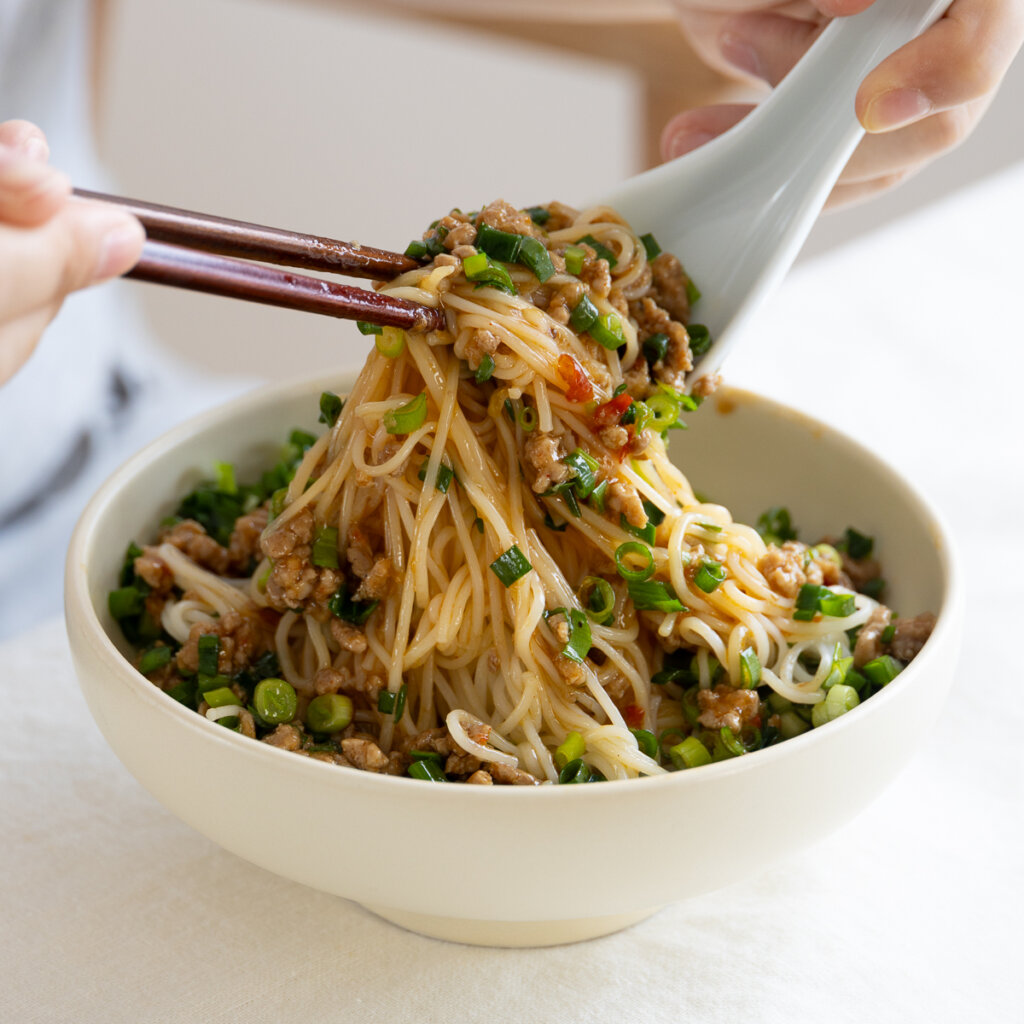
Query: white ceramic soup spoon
[[737, 210]]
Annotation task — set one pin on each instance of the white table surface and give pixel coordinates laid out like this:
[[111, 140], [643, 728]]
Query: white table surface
[[911, 340]]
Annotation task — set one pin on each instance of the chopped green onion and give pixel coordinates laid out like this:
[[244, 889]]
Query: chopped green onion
[[584, 315], [750, 669], [807, 602], [597, 596], [444, 477], [580, 638], [407, 418], [386, 702], [400, 702], [857, 544], [184, 693], [585, 467], [367, 328], [416, 250], [838, 701], [125, 601], [888, 633], [634, 549], [510, 409], [603, 252], [526, 417], [651, 246], [205, 683], [691, 753], [390, 342], [533, 255], [575, 771], [731, 742], [340, 605], [154, 658], [655, 347], [643, 415], [574, 257], [645, 533], [427, 770], [330, 408], [552, 525], [225, 474], [700, 339], [597, 496], [837, 606], [330, 712], [709, 576], [485, 369], [607, 331], [325, 547], [482, 269], [499, 245], [654, 595], [275, 701], [838, 670], [709, 527], [208, 647], [570, 499], [882, 670], [538, 215], [646, 741], [221, 697], [479, 524], [277, 502], [572, 748], [654, 514], [692, 291], [775, 526], [791, 724], [873, 588], [510, 565]]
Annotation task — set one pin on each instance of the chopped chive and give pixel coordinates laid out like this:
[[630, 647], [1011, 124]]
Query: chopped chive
[[572, 748], [700, 339], [709, 527], [533, 255], [646, 741], [645, 533], [510, 409], [654, 595], [330, 712], [837, 606], [571, 501], [510, 565], [838, 701], [692, 291], [597, 496], [427, 771], [580, 638], [634, 549], [526, 417], [368, 328], [584, 315], [390, 342], [125, 601], [709, 576], [888, 633], [485, 271], [776, 526], [330, 408], [386, 702], [416, 250], [400, 702], [607, 331], [655, 347], [654, 514], [221, 697], [225, 477], [275, 701], [407, 418], [325, 547], [838, 670], [858, 545], [585, 467], [538, 215], [691, 753], [598, 598], [154, 658], [485, 369], [499, 245], [443, 481], [340, 605], [651, 246], [603, 252], [552, 525], [807, 602], [873, 588], [479, 524], [575, 771], [750, 669], [882, 670], [209, 653], [664, 412], [574, 257]]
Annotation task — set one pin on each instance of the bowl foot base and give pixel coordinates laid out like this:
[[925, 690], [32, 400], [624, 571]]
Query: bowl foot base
[[510, 933]]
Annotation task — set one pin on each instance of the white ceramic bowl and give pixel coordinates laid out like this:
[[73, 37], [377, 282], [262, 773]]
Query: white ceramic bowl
[[514, 865]]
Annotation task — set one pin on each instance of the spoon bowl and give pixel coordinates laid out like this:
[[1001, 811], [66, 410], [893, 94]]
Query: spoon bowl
[[738, 209]]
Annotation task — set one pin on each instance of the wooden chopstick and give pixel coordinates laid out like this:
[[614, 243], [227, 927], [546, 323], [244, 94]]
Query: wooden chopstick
[[196, 251]]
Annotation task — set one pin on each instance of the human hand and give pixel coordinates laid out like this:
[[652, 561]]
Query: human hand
[[50, 242], [919, 103]]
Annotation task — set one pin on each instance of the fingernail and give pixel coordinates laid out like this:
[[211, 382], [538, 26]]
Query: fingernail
[[895, 108], [685, 141], [740, 54], [118, 250]]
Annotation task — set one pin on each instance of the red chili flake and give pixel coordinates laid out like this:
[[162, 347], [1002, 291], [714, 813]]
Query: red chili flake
[[609, 414], [634, 716], [577, 384]]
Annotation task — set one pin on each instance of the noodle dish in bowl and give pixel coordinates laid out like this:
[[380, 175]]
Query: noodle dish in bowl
[[513, 554]]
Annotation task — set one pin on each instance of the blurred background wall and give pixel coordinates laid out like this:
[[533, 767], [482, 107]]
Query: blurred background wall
[[365, 123]]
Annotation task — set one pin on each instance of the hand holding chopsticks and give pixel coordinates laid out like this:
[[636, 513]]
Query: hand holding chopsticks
[[200, 253]]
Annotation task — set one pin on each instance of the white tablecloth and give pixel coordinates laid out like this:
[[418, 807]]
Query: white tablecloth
[[910, 340]]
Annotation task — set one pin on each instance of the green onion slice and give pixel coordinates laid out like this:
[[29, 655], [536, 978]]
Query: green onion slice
[[603, 252], [655, 596], [580, 638], [539, 215], [598, 598], [510, 565], [482, 269], [607, 331], [325, 547], [330, 408], [584, 315], [691, 753], [709, 576], [882, 670], [664, 412], [390, 342], [651, 246], [533, 255], [837, 606], [645, 533], [445, 475], [857, 544], [367, 328], [574, 257], [155, 658], [499, 245], [330, 712], [485, 369], [343, 607], [575, 771], [406, 418], [700, 339], [838, 701], [646, 741], [572, 748], [750, 669], [585, 467], [209, 653], [427, 770], [633, 549], [655, 347]]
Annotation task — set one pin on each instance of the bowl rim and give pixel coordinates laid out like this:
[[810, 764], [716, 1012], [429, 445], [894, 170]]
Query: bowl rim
[[80, 612]]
